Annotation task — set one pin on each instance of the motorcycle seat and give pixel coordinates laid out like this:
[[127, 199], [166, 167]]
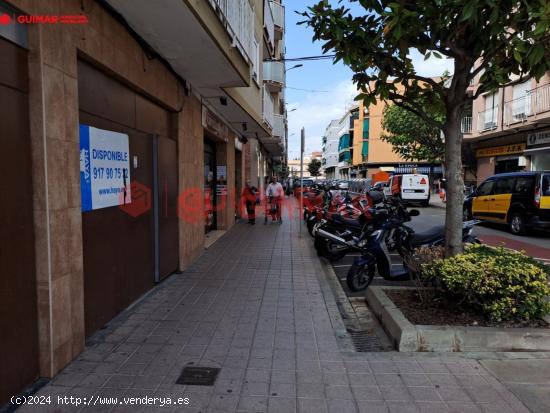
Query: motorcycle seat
[[337, 218], [426, 237]]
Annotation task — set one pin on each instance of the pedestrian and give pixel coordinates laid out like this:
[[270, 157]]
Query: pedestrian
[[249, 196], [275, 194], [443, 190]]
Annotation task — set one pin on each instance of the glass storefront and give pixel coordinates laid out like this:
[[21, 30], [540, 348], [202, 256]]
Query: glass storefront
[[209, 186]]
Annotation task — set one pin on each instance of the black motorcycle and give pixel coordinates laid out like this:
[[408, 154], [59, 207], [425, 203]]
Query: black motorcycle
[[375, 254], [350, 224]]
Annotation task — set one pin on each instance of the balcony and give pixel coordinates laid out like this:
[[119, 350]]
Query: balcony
[[279, 127], [274, 75], [216, 33], [278, 11], [269, 25], [536, 101], [466, 124], [487, 119], [239, 18], [268, 108]]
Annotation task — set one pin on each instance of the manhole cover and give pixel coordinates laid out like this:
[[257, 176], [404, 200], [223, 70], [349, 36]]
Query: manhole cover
[[198, 376], [364, 342]]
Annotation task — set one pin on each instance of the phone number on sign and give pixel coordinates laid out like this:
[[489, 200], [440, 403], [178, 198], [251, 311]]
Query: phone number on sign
[[109, 173], [99, 401]]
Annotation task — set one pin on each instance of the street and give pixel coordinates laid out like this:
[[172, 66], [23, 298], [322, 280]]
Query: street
[[535, 244]]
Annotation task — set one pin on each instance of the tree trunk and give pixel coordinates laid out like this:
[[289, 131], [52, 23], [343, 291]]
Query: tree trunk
[[455, 183]]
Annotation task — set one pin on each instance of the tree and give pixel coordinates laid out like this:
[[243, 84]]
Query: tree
[[495, 42], [412, 137], [314, 167]]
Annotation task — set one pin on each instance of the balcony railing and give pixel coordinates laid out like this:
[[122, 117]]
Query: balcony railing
[[279, 125], [269, 24], [238, 18], [534, 102], [268, 109], [274, 72], [278, 11], [466, 124], [487, 119]]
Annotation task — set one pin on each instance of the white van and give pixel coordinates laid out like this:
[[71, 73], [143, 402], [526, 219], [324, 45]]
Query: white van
[[410, 188]]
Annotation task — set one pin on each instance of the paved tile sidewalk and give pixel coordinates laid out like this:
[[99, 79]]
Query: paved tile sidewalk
[[253, 305]]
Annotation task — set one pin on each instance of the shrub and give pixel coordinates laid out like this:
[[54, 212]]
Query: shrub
[[500, 283]]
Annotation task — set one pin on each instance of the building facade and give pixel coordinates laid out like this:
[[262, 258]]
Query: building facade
[[329, 160], [509, 130], [130, 135]]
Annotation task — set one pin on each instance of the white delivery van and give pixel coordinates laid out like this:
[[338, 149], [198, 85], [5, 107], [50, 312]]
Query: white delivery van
[[410, 188]]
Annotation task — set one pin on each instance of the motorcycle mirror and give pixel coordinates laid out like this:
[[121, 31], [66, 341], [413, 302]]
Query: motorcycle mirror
[[414, 212]]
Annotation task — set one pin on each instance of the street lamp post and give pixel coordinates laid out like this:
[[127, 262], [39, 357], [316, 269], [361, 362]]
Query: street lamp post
[[294, 67]]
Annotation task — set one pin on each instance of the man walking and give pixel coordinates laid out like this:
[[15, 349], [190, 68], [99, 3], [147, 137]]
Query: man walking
[[276, 194]]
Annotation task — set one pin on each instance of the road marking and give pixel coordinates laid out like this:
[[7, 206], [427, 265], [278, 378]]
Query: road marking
[[342, 266]]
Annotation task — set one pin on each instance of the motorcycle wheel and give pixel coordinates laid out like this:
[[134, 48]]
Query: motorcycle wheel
[[325, 249], [360, 276]]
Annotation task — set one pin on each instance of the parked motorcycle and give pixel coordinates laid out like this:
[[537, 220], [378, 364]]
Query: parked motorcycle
[[350, 222], [375, 255]]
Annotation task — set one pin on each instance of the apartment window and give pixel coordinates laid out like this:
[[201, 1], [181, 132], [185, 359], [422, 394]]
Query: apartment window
[[491, 108], [521, 103]]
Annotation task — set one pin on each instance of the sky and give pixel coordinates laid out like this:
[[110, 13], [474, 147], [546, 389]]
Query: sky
[[315, 110]]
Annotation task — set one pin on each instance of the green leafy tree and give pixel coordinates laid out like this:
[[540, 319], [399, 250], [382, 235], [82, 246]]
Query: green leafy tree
[[411, 137], [492, 41], [314, 167]]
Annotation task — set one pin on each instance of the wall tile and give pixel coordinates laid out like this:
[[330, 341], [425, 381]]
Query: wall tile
[[54, 92]]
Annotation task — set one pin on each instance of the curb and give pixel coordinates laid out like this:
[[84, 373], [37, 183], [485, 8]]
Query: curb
[[333, 304], [443, 338]]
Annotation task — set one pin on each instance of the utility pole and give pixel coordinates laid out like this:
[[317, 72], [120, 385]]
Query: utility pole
[[301, 212]]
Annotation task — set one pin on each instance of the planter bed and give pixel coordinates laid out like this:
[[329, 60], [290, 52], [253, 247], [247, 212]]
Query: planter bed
[[447, 329]]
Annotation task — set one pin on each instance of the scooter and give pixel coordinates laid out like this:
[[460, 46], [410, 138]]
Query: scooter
[[375, 254]]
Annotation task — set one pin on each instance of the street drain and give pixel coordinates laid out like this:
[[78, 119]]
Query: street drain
[[198, 376], [365, 342]]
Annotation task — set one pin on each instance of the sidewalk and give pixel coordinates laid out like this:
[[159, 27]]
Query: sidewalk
[[256, 306]]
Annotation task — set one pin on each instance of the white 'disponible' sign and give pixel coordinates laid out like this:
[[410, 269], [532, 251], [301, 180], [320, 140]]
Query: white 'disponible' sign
[[104, 168]]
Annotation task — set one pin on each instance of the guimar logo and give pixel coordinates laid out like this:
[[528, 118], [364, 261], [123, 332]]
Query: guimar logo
[[85, 164]]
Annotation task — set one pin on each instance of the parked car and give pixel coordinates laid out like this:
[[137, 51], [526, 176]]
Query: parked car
[[409, 188], [520, 200]]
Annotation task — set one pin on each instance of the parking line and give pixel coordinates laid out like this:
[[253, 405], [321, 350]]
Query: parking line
[[342, 266]]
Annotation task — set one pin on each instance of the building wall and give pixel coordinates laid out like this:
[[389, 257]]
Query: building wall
[[504, 96], [379, 151], [54, 118]]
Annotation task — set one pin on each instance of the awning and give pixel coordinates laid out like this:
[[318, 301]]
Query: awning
[[419, 169], [545, 148]]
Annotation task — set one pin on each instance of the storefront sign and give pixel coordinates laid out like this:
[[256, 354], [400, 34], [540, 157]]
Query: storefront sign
[[104, 168], [213, 124], [500, 150], [538, 138]]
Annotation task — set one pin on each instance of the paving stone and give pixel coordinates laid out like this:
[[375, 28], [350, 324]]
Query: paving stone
[[254, 305]]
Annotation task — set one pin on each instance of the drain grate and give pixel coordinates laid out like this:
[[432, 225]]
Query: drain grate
[[198, 376], [365, 342]]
